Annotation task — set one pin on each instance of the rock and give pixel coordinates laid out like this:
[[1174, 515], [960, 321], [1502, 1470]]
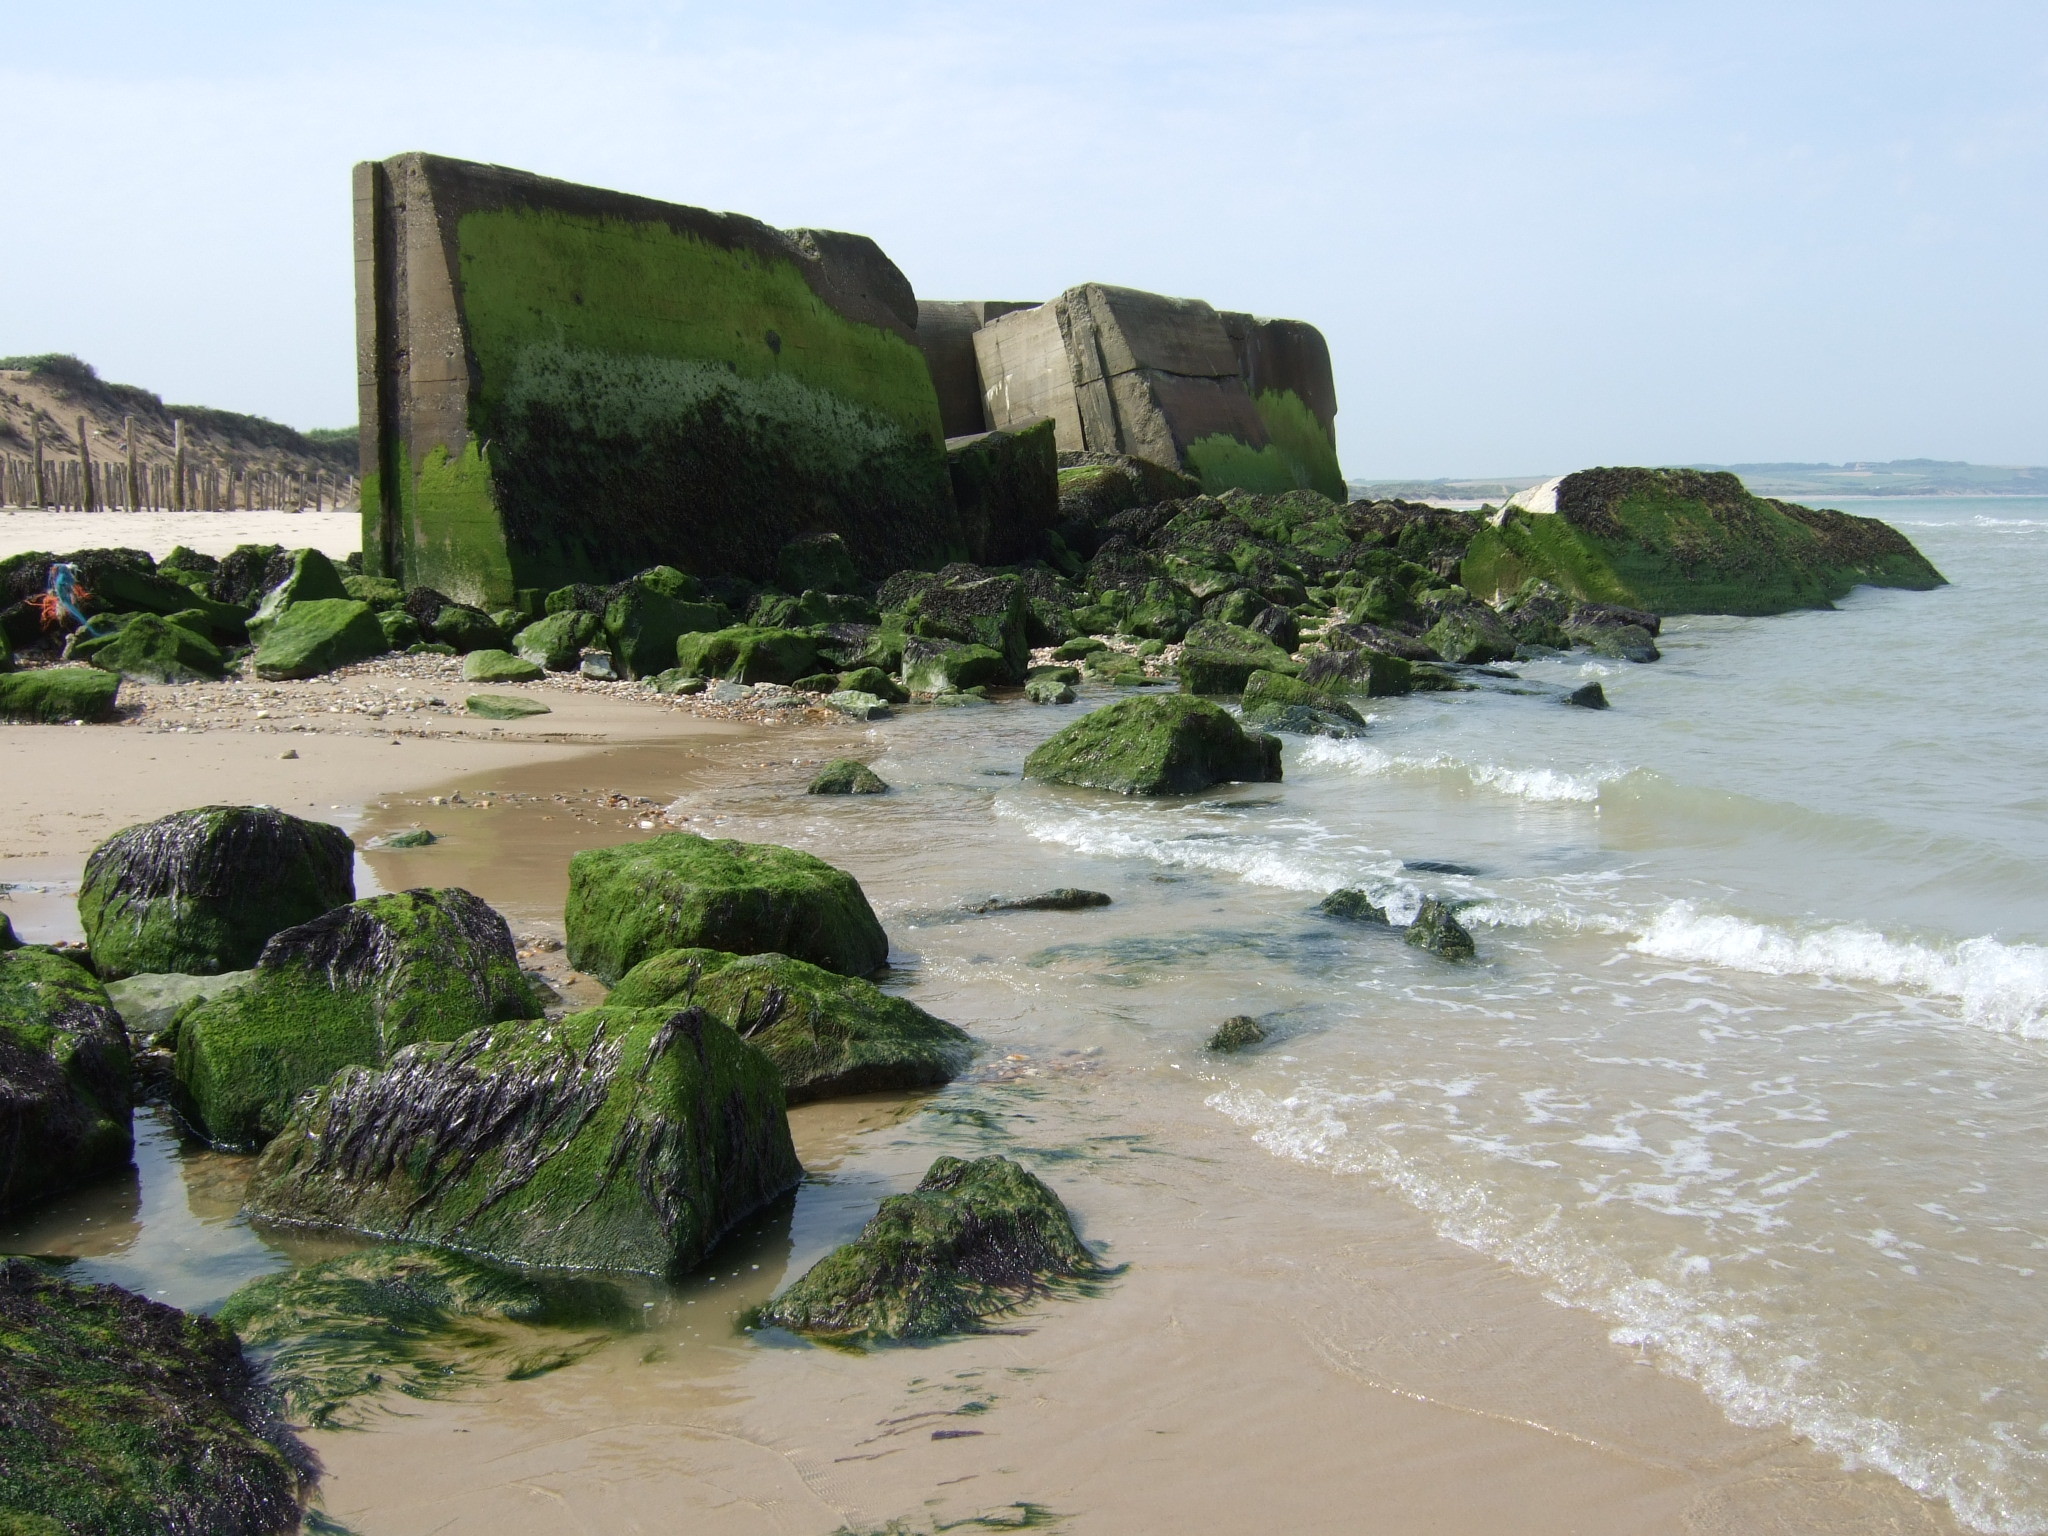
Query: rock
[[1218, 658], [1048, 690], [380, 592], [308, 576], [332, 1334], [873, 680], [412, 837], [974, 699], [505, 706], [1054, 674], [464, 627], [1472, 635], [1065, 899], [317, 636], [150, 1005], [1685, 541], [1156, 745], [401, 630], [1079, 648], [128, 1417], [647, 614], [58, 695], [151, 649], [1006, 485], [8, 938], [493, 666], [818, 562], [65, 1080], [346, 989], [122, 587], [1438, 930], [1117, 668], [1375, 674], [972, 1242], [844, 776], [859, 704], [966, 605], [202, 891], [681, 891], [557, 642], [1278, 703], [1354, 905], [948, 666], [597, 666], [1234, 1034], [615, 1138], [809, 610], [1588, 696], [676, 681], [1604, 635], [828, 1035], [744, 654]]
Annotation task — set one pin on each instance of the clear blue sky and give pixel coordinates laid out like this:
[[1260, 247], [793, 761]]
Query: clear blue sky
[[1538, 236]]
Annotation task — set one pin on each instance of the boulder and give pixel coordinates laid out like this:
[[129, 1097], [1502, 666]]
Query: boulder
[[597, 666], [1588, 696], [972, 1242], [810, 609], [647, 614], [1353, 905], [126, 1417], [307, 576], [857, 703], [828, 1035], [202, 891], [59, 695], [1006, 485], [504, 706], [616, 1138], [844, 776], [1048, 690], [1278, 703], [1374, 674], [1066, 898], [818, 562], [464, 627], [150, 1005], [317, 636], [1437, 929], [1607, 632], [557, 641], [65, 1080], [412, 837], [1218, 658], [745, 654], [681, 891], [1235, 1034], [948, 666], [1156, 745], [346, 989], [121, 587], [380, 592], [1473, 635], [493, 666], [151, 649], [401, 630]]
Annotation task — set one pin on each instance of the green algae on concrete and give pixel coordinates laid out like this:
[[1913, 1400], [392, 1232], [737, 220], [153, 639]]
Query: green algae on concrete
[[58, 695], [417, 1321], [65, 1078], [615, 1138], [1298, 455], [346, 989], [1170, 744], [312, 637], [828, 1035], [1689, 541], [973, 1242], [202, 891], [125, 1417], [681, 891]]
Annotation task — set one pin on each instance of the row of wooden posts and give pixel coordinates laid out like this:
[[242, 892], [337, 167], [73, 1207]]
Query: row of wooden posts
[[83, 484]]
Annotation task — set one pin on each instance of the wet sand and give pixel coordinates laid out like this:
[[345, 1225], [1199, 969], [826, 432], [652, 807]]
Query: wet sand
[[1285, 1349]]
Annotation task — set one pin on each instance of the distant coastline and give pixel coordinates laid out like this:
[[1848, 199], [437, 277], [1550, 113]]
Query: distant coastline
[[1896, 477]]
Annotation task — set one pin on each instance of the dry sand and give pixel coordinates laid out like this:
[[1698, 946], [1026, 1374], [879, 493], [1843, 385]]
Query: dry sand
[[335, 534]]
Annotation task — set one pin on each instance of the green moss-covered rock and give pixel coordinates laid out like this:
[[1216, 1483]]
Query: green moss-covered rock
[[646, 615], [1372, 673], [557, 642], [152, 649], [858, 704], [150, 1005], [1688, 541], [681, 891], [1048, 690], [745, 654], [65, 1091], [492, 666], [965, 606], [828, 1035], [1472, 635], [401, 630], [617, 1138], [309, 638], [1236, 1034], [1156, 745], [413, 1320], [125, 1417], [121, 587], [58, 695], [818, 562], [1275, 702], [1353, 905], [845, 776], [973, 1241], [464, 627], [1437, 929], [1006, 485], [504, 706], [347, 989], [1219, 657], [412, 837], [380, 592], [203, 890], [309, 576], [949, 666]]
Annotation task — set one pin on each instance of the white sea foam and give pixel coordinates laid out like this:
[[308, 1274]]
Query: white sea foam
[[1307, 860], [2001, 986], [1536, 784]]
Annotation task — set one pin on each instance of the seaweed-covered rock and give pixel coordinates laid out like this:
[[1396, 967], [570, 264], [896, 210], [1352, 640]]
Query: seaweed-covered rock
[[306, 575], [202, 891], [818, 562], [1624, 634], [1437, 929], [152, 649], [401, 630], [949, 666], [1219, 658], [845, 776], [973, 1241], [1049, 690], [1375, 674], [309, 638], [827, 1035], [407, 1319], [1278, 703], [745, 654], [504, 706], [1588, 696], [64, 1080], [494, 666], [681, 891], [1353, 905], [380, 592], [858, 703], [1065, 898], [466, 628], [149, 1005], [125, 1417], [1471, 634], [59, 695], [1156, 745], [616, 1138], [346, 989], [967, 606], [1235, 1034], [1006, 485], [557, 641], [647, 614]]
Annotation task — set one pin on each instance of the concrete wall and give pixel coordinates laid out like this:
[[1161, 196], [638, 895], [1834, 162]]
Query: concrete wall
[[945, 333], [562, 383]]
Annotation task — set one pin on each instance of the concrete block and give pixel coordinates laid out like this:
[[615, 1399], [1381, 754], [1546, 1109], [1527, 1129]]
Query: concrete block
[[945, 333], [1007, 487]]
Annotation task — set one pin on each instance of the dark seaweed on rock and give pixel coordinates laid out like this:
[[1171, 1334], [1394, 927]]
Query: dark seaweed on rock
[[65, 1087]]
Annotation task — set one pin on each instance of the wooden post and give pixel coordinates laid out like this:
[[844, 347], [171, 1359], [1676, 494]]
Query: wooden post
[[134, 476], [85, 498], [42, 485], [178, 465]]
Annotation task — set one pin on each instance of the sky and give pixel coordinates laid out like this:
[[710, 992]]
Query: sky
[[1537, 236]]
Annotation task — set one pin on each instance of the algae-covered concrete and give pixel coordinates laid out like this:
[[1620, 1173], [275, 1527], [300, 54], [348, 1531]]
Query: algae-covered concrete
[[1234, 400], [560, 383]]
